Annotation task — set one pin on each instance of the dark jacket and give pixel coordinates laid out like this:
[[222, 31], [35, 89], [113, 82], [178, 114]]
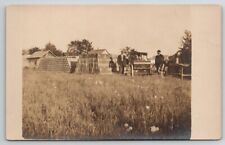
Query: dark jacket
[[186, 56], [159, 59], [119, 59], [122, 61], [125, 60]]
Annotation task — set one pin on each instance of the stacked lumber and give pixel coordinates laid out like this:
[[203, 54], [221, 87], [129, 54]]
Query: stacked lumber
[[54, 64]]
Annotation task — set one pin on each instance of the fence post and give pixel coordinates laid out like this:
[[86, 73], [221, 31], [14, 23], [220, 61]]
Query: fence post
[[132, 70], [182, 71]]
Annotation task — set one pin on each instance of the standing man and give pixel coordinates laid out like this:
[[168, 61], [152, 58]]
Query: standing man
[[125, 64], [112, 65], [120, 62], [159, 60]]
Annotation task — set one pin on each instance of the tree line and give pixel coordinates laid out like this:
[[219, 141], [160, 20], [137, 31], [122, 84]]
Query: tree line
[[76, 47], [79, 47]]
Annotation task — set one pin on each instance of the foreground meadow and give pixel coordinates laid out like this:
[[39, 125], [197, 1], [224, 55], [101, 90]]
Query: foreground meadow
[[70, 106]]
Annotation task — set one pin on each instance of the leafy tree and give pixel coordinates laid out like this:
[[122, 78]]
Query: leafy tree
[[78, 47], [126, 50], [131, 53], [186, 40], [186, 47], [53, 49], [25, 52], [58, 52], [50, 46], [32, 50]]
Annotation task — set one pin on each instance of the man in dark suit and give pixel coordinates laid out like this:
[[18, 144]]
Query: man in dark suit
[[159, 60], [120, 62]]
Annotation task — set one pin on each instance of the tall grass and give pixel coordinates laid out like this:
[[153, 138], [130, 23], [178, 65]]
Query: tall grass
[[69, 106]]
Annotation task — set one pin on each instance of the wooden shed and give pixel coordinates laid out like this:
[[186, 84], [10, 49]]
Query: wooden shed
[[96, 61], [34, 59]]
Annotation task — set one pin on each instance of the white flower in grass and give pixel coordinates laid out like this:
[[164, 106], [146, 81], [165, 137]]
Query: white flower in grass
[[100, 82], [154, 129], [147, 107], [126, 125], [155, 97], [130, 128]]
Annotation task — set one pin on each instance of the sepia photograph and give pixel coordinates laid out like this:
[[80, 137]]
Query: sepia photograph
[[105, 72]]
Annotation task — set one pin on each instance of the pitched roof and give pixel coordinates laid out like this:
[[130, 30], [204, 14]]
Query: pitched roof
[[39, 54], [98, 51]]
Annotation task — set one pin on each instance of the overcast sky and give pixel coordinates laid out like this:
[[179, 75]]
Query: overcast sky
[[143, 27]]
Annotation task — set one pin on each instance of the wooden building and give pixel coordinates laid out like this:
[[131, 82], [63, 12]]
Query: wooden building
[[96, 61], [33, 60]]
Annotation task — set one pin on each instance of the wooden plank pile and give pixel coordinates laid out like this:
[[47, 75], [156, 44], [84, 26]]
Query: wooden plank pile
[[54, 64]]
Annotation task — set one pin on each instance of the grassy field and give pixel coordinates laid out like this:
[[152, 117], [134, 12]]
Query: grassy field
[[70, 106]]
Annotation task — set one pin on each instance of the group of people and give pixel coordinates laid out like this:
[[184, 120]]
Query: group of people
[[161, 64], [122, 61]]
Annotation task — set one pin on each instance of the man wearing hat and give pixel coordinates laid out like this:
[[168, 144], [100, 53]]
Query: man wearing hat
[[159, 60], [120, 61]]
